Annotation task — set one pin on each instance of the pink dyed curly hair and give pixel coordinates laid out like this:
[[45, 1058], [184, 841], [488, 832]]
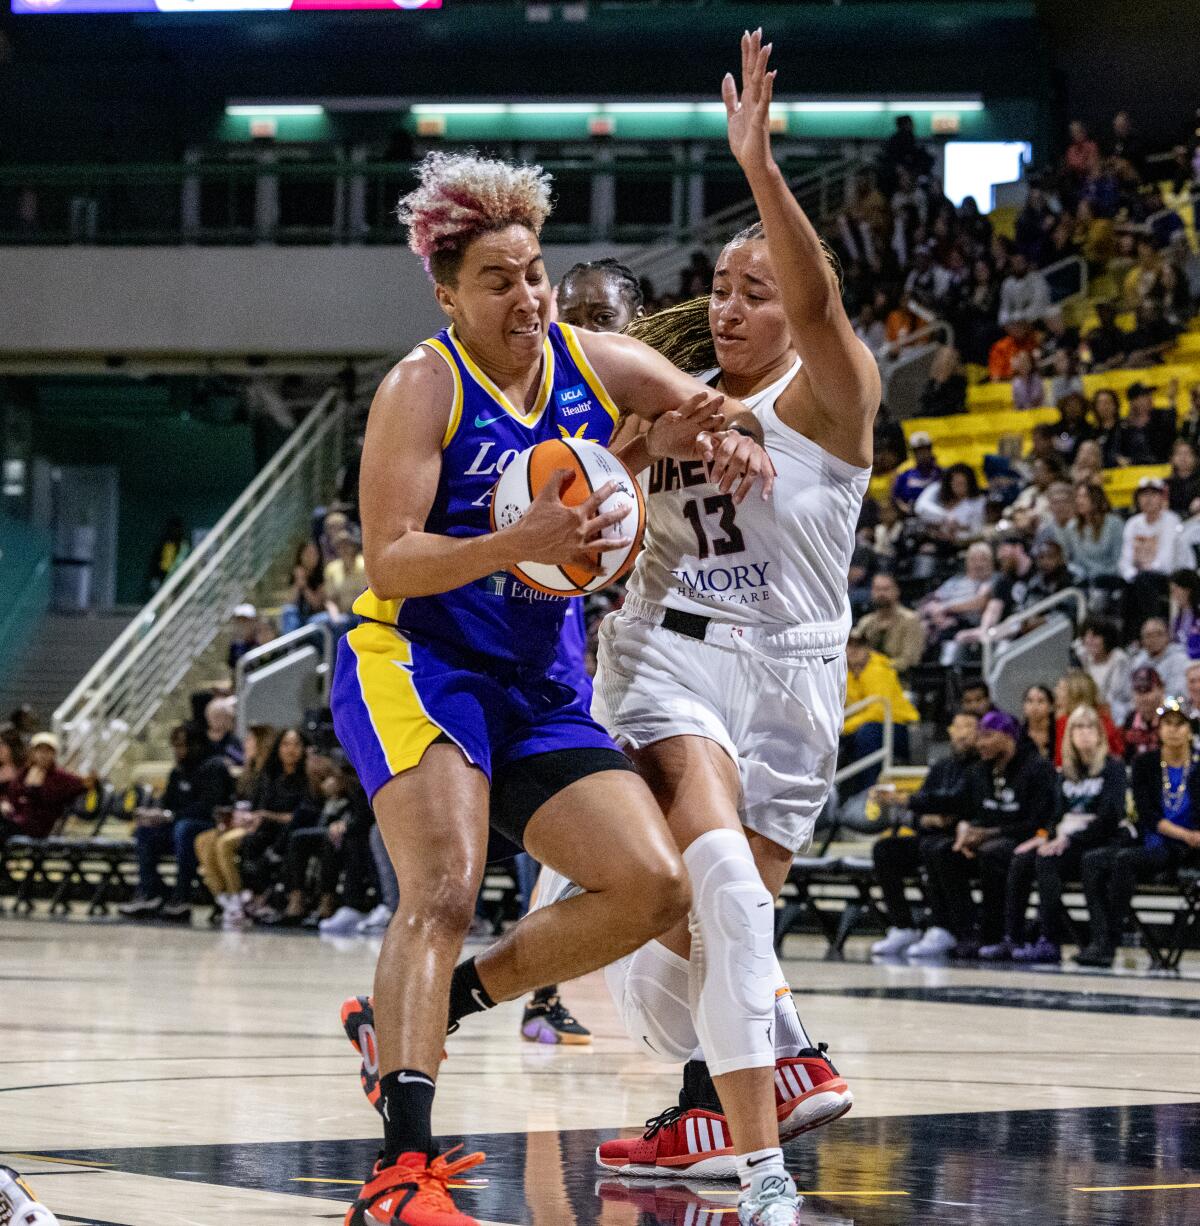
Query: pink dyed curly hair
[[460, 196]]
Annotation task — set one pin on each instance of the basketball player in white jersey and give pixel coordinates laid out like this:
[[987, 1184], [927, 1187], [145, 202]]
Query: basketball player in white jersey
[[724, 675]]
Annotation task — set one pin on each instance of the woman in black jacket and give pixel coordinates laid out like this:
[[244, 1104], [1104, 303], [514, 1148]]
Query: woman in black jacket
[[1088, 813], [280, 789], [1166, 796]]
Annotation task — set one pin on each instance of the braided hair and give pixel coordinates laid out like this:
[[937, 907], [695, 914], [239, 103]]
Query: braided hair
[[625, 278]]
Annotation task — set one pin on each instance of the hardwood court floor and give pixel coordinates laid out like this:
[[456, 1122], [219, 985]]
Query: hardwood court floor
[[165, 1077]]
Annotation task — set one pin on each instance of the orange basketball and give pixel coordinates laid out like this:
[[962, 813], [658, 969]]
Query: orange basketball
[[591, 467]]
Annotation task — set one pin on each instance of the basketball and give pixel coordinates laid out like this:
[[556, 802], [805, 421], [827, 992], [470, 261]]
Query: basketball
[[591, 467]]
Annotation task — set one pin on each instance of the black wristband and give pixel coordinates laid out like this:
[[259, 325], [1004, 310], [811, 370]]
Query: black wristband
[[743, 430]]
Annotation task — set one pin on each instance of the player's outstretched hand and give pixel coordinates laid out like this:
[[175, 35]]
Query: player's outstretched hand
[[739, 462], [749, 116], [686, 433], [561, 535]]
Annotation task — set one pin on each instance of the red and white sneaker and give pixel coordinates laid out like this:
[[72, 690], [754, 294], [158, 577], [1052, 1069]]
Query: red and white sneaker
[[358, 1021], [414, 1191], [809, 1093], [691, 1143]]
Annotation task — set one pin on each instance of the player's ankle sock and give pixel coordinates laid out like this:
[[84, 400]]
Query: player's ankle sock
[[698, 1089], [752, 1164], [790, 1036], [406, 1102], [542, 995], [467, 993]]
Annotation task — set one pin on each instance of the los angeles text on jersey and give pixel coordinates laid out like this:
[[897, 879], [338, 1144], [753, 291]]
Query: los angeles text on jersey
[[742, 584]]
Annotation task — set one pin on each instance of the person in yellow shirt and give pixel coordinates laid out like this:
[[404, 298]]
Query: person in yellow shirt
[[871, 675]]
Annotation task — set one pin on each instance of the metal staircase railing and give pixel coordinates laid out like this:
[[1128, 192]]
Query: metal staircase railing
[[102, 717]]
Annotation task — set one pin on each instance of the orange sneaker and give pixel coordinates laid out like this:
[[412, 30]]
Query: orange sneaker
[[358, 1021], [413, 1191]]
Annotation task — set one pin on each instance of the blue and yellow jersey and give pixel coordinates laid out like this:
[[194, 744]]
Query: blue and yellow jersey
[[498, 617]]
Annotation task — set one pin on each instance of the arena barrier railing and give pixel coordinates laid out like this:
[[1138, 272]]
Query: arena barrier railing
[[103, 716]]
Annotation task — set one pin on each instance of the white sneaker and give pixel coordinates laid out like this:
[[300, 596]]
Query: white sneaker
[[343, 922], [770, 1200], [376, 922], [936, 943], [896, 942], [17, 1203]]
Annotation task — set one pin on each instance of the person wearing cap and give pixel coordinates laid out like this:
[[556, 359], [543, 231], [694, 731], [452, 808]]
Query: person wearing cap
[[1148, 549], [1010, 797], [1146, 434], [244, 634], [924, 472], [38, 798], [871, 675], [1166, 798], [1140, 730]]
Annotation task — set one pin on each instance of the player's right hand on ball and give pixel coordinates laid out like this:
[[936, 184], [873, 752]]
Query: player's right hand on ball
[[557, 534]]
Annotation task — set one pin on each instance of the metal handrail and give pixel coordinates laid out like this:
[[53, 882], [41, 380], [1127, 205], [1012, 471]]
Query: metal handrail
[[926, 330], [1004, 631], [727, 221], [119, 695], [883, 756], [281, 646]]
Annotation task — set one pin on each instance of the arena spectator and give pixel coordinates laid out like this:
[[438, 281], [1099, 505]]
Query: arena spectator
[[1140, 729], [12, 761], [198, 785], [218, 850], [1125, 144], [1066, 380], [243, 634], [38, 796], [1166, 797], [1037, 720], [872, 675], [1187, 546], [389, 888], [1183, 485], [345, 577], [951, 511], [1076, 688], [1106, 409], [928, 283], [1060, 514], [333, 525], [1147, 434], [1034, 223], [280, 789], [1019, 337], [1189, 427], [1192, 698], [1088, 465], [912, 482], [1184, 592], [935, 809], [1082, 157], [959, 602], [946, 392], [1168, 659], [1028, 390], [169, 554], [902, 151], [890, 628], [1010, 796], [1107, 663], [220, 715], [1090, 803], [307, 601], [976, 699], [977, 317], [1024, 294], [1094, 538], [1107, 344], [1148, 551], [1152, 336], [1032, 504]]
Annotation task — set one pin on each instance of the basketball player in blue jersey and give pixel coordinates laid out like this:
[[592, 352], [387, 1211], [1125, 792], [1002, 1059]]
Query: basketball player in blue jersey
[[598, 296], [442, 695]]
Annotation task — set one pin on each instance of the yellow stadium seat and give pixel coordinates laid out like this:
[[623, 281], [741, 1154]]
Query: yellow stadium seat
[[1121, 483]]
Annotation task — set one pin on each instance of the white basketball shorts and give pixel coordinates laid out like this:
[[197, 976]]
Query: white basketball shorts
[[773, 700]]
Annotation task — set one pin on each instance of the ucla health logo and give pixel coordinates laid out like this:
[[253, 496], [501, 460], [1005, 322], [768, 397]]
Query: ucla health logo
[[573, 400]]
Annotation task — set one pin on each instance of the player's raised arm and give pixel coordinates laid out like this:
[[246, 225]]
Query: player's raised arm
[[839, 368], [401, 467]]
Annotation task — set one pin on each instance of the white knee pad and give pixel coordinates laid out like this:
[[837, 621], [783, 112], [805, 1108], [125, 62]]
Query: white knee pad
[[733, 971], [650, 990]]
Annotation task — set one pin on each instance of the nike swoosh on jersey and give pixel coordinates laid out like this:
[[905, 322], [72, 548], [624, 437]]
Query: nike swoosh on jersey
[[480, 422]]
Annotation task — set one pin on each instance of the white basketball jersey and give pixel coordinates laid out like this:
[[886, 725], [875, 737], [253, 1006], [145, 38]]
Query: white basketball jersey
[[779, 562]]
